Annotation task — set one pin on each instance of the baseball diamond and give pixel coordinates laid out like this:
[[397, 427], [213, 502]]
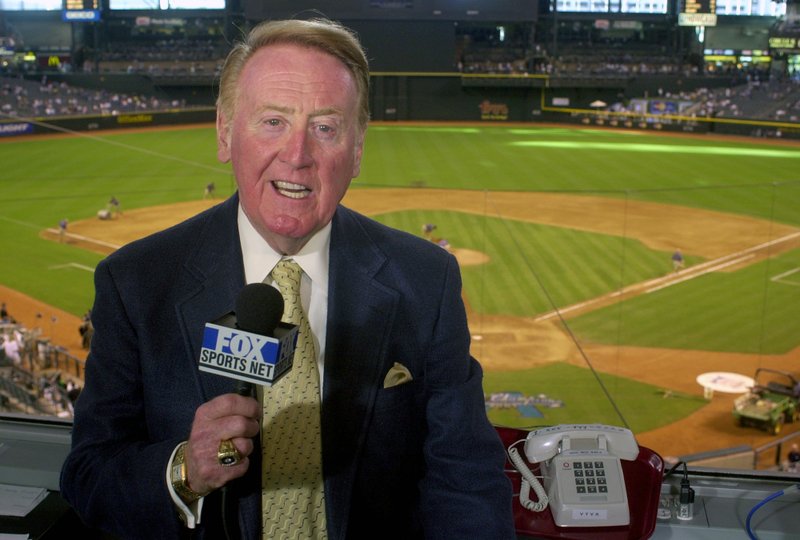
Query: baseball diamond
[[715, 243]]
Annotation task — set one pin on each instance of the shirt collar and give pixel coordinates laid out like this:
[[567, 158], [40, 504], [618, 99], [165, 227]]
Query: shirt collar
[[259, 258]]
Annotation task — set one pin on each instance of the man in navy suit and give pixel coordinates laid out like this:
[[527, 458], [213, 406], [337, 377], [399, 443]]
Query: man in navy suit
[[407, 450]]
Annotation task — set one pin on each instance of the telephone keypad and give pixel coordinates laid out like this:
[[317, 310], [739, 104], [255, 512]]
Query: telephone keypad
[[589, 476]]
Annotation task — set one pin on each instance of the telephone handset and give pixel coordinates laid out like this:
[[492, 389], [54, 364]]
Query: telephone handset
[[583, 481]]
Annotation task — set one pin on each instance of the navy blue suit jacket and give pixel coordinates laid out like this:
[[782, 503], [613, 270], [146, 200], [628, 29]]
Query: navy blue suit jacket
[[416, 460]]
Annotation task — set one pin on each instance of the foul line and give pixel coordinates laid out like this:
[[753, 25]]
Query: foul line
[[727, 260], [72, 265], [113, 142], [85, 239], [680, 276], [698, 271], [779, 278]]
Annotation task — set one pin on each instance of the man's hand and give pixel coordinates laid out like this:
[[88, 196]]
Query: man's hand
[[229, 416]]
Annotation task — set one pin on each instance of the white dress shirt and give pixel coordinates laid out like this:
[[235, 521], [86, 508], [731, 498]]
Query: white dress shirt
[[259, 260]]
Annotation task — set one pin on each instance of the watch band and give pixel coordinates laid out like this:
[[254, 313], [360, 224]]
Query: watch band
[[179, 478]]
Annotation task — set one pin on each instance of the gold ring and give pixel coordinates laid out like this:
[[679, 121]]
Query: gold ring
[[228, 455]]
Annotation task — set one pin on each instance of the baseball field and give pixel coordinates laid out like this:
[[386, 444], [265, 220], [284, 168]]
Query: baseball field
[[564, 235]]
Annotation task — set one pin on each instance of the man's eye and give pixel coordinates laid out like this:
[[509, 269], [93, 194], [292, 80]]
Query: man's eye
[[325, 131]]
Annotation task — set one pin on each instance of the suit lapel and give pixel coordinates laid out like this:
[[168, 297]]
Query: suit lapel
[[214, 276], [360, 314]]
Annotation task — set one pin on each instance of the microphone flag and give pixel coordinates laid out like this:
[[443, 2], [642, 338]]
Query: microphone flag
[[232, 352]]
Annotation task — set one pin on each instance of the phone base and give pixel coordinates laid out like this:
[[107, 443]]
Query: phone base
[[643, 489]]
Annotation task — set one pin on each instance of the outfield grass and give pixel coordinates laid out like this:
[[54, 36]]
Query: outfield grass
[[642, 406], [533, 266], [743, 177]]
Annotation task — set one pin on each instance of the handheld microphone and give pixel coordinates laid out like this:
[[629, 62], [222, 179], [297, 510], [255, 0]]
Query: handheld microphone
[[259, 308], [251, 344]]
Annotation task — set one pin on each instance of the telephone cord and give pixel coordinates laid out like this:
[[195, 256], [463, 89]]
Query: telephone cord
[[528, 481]]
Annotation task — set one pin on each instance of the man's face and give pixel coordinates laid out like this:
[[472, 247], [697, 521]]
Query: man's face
[[294, 141]]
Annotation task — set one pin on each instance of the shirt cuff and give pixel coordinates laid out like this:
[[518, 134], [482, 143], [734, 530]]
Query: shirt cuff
[[189, 513]]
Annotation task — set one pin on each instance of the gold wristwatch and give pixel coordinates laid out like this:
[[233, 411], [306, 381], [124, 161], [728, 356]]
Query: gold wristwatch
[[179, 477]]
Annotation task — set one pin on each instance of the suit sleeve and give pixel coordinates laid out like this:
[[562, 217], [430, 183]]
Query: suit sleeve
[[114, 475], [465, 492]]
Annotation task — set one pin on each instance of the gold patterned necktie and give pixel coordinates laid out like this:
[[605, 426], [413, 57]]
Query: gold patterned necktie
[[293, 504]]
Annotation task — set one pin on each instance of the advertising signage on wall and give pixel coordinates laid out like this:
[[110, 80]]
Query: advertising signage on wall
[[784, 43]]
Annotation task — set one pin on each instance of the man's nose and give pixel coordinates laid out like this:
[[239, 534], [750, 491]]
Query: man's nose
[[297, 148]]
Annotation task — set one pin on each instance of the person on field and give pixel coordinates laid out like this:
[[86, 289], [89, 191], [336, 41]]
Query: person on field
[[677, 260], [62, 229], [114, 207]]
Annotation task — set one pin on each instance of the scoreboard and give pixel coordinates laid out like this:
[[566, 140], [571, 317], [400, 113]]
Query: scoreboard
[[81, 10], [698, 13]]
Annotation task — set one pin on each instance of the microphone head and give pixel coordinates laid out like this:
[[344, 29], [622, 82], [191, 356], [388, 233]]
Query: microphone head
[[259, 308]]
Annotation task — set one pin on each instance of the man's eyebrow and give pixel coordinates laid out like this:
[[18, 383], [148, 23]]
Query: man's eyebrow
[[276, 108], [288, 110], [327, 112]]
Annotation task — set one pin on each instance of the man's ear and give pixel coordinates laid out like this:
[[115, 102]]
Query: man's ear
[[223, 139]]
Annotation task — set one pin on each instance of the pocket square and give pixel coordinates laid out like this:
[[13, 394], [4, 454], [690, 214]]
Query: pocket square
[[397, 374]]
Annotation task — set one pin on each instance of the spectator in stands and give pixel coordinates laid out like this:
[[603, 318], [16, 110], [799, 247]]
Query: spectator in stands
[[793, 458], [73, 391], [24, 98], [86, 330], [11, 347]]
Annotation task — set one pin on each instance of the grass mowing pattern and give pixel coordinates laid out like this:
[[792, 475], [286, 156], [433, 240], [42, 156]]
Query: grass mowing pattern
[[536, 258], [45, 180]]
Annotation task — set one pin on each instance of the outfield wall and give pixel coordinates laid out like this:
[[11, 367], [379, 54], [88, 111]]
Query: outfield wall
[[84, 123]]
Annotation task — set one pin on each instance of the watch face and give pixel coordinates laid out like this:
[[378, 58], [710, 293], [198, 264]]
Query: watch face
[[176, 472]]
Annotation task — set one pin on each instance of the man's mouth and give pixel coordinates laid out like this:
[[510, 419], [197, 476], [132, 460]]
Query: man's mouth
[[293, 191]]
